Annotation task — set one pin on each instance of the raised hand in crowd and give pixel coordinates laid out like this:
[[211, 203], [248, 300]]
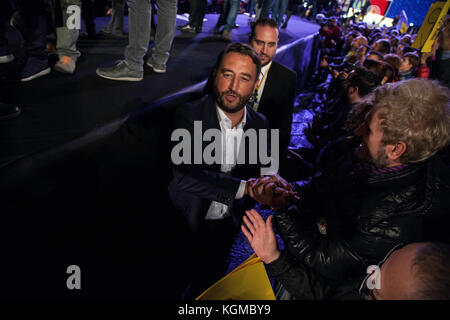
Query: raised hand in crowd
[[261, 236]]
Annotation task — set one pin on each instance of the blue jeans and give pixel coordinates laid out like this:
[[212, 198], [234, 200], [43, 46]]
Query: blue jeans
[[232, 14], [139, 21], [251, 7], [278, 10], [265, 9]]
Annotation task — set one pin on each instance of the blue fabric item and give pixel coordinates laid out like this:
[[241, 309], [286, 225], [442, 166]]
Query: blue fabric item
[[415, 9], [445, 55], [241, 249], [232, 14]]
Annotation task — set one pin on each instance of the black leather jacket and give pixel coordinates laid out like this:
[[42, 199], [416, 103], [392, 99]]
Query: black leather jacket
[[362, 217]]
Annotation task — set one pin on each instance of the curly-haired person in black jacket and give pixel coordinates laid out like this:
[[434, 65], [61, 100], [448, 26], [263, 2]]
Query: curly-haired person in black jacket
[[392, 188]]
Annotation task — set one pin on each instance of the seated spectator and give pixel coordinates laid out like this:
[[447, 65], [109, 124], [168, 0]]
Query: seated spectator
[[329, 124], [402, 50], [393, 59], [374, 55], [395, 62], [360, 55], [394, 43], [395, 191], [382, 45], [406, 39], [356, 43], [383, 70], [409, 66], [417, 271], [348, 41]]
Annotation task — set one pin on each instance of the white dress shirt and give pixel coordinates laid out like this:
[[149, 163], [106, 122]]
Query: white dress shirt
[[231, 141]]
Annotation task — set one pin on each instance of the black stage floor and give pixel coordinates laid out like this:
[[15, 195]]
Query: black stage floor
[[105, 207], [60, 107]]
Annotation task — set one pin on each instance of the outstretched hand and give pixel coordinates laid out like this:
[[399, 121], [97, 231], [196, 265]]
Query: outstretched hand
[[261, 236]]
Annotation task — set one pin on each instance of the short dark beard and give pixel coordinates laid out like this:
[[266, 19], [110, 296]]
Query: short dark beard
[[242, 101], [263, 65]]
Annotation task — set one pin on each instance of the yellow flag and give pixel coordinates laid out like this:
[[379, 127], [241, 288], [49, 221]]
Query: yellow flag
[[249, 281], [429, 30], [403, 28]]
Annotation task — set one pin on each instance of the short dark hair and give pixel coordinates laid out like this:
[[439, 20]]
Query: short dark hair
[[243, 49], [380, 68], [413, 59], [385, 46], [263, 22], [364, 79], [377, 53], [407, 49], [394, 60], [431, 266]]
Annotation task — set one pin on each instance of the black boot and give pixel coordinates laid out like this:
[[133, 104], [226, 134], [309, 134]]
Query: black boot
[[8, 111]]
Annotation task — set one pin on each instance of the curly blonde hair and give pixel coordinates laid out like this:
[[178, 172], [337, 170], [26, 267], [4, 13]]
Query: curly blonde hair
[[415, 111]]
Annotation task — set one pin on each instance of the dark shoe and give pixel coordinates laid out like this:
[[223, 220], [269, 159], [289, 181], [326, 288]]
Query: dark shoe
[[34, 68], [183, 26], [120, 71], [226, 35], [89, 36], [159, 68], [189, 28], [104, 32], [8, 111], [119, 35]]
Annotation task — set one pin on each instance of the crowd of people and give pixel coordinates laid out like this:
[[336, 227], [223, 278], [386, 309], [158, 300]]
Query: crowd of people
[[373, 186], [379, 145]]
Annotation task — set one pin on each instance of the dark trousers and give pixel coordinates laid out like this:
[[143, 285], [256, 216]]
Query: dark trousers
[[5, 15], [87, 13], [224, 10], [198, 10], [34, 27]]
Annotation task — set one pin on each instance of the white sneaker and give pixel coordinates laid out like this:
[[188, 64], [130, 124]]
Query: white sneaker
[[7, 58]]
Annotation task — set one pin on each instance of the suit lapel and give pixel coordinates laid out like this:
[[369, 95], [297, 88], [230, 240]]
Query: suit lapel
[[210, 121], [269, 86]]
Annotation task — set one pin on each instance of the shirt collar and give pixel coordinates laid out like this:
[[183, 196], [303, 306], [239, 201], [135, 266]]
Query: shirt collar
[[224, 119], [264, 69]]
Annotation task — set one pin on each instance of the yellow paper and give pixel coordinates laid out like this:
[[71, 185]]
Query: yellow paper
[[249, 281], [430, 27]]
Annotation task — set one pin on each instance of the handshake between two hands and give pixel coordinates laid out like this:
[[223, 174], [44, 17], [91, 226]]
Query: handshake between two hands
[[272, 191]]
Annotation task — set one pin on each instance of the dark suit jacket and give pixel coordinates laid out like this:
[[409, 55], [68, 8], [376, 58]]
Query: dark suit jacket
[[195, 186], [440, 70], [277, 101]]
